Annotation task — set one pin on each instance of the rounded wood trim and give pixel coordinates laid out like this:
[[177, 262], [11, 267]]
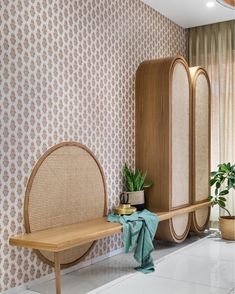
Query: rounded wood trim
[[230, 2], [227, 3], [66, 265], [195, 72], [29, 186], [166, 231], [180, 238], [154, 80], [174, 61], [195, 227]]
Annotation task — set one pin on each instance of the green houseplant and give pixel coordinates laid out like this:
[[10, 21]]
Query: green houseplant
[[135, 183], [223, 179]]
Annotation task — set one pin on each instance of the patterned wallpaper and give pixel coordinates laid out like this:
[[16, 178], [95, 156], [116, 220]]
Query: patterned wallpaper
[[67, 73]]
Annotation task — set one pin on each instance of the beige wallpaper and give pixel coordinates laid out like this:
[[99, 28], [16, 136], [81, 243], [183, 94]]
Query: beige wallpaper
[[67, 73]]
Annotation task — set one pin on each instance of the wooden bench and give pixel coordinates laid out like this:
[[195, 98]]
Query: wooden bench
[[62, 238]]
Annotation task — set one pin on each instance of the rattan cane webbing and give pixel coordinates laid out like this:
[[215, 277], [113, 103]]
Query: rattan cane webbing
[[66, 186], [201, 94]]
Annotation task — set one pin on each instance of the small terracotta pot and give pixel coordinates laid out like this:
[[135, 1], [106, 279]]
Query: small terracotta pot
[[227, 227]]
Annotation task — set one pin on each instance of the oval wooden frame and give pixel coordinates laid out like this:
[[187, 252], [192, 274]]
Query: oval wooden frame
[[195, 227], [194, 76], [172, 234], [163, 69], [180, 238], [167, 231], [28, 190], [174, 61]]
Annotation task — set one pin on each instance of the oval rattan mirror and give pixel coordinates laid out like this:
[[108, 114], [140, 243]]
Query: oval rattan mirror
[[66, 186]]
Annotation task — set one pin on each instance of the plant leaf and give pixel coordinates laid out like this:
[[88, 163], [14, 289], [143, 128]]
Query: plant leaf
[[222, 198], [221, 203], [137, 178], [230, 183], [135, 181], [130, 185], [212, 181], [142, 180], [223, 167], [213, 173], [224, 192], [218, 184]]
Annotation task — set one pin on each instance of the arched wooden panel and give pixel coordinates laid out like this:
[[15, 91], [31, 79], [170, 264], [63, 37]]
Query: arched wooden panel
[[163, 139], [201, 145], [175, 229], [66, 186], [180, 134], [200, 219]]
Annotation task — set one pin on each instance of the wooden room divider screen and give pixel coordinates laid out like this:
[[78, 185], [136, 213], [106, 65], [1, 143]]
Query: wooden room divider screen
[[164, 143]]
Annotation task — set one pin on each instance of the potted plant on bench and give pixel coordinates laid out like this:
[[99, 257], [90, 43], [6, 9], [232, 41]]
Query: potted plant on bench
[[224, 178], [135, 183]]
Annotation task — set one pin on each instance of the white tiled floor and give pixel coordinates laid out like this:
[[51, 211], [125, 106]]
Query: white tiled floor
[[27, 292], [204, 267]]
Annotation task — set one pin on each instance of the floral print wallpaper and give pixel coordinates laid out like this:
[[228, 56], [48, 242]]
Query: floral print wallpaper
[[67, 72]]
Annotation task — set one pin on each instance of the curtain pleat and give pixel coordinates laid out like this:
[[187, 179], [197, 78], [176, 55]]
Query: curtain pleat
[[213, 47]]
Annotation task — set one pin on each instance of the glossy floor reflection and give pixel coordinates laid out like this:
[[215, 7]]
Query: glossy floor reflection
[[197, 266]]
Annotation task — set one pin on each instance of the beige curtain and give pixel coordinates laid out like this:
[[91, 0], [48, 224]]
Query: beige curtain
[[213, 46]]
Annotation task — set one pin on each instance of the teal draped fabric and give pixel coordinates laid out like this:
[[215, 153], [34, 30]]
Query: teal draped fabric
[[138, 232]]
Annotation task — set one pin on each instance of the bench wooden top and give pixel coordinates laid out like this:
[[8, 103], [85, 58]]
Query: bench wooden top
[[61, 238]]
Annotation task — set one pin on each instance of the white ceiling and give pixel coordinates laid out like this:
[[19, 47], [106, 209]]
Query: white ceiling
[[191, 13]]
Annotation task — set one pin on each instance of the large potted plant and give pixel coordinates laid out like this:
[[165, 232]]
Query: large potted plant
[[224, 180], [135, 184]]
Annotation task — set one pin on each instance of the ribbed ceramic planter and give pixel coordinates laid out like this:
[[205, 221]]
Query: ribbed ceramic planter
[[227, 227], [136, 199]]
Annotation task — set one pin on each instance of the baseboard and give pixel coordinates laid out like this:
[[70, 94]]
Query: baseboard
[[51, 276]]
